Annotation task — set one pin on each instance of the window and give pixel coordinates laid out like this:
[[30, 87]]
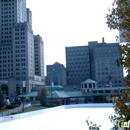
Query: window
[[90, 85]]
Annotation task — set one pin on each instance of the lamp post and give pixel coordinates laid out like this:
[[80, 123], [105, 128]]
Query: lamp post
[[21, 81]]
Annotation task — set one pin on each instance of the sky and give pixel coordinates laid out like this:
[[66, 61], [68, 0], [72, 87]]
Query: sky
[[63, 23]]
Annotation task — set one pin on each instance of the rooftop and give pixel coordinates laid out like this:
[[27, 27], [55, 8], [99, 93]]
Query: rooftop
[[89, 81]]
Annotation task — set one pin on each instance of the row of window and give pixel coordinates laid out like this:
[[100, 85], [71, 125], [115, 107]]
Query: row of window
[[6, 32], [106, 73], [5, 74], [17, 38], [7, 65], [19, 29], [6, 1], [18, 69], [23, 73], [18, 60], [36, 48], [78, 66], [22, 46], [77, 54], [20, 33], [5, 61], [107, 82], [77, 59], [6, 15], [84, 48], [7, 4], [18, 51], [7, 8], [8, 52], [36, 69], [78, 76], [18, 55], [7, 20], [20, 42], [20, 64], [78, 70], [36, 54], [7, 29], [6, 70], [5, 37]]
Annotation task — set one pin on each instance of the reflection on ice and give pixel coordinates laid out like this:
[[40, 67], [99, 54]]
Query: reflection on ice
[[64, 119]]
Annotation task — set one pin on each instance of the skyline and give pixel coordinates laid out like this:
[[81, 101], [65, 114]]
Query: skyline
[[69, 23]]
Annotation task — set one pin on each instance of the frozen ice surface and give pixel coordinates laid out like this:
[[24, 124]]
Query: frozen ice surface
[[64, 119]]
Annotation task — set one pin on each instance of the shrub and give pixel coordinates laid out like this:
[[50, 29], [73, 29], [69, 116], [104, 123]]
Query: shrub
[[10, 106], [16, 105], [92, 126], [50, 105]]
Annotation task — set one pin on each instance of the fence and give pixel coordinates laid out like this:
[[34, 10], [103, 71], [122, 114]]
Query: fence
[[15, 110], [9, 112]]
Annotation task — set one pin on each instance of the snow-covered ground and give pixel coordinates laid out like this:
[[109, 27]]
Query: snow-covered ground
[[64, 119]]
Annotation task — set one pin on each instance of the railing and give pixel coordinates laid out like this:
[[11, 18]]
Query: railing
[[15, 110], [9, 112]]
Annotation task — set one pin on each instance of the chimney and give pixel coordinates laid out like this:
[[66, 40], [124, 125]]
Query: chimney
[[103, 40]]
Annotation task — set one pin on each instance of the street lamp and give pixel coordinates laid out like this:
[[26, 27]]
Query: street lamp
[[21, 78]]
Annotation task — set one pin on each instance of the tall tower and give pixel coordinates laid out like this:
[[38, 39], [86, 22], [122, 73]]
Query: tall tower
[[11, 12], [29, 17], [17, 63], [39, 56]]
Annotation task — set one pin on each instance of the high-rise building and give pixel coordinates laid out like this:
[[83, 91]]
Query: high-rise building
[[97, 61], [11, 12], [78, 65], [18, 56], [29, 17], [39, 56], [56, 74], [104, 69]]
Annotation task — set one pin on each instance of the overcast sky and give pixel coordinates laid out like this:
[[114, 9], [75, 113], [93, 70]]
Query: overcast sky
[[63, 23]]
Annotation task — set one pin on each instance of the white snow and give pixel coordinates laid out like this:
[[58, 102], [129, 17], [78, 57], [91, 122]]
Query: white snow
[[63, 119]]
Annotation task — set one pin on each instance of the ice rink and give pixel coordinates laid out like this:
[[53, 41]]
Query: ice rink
[[64, 119]]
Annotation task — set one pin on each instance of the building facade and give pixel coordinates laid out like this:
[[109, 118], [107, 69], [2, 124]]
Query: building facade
[[39, 56], [56, 74], [97, 61], [78, 65], [104, 69], [17, 55]]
